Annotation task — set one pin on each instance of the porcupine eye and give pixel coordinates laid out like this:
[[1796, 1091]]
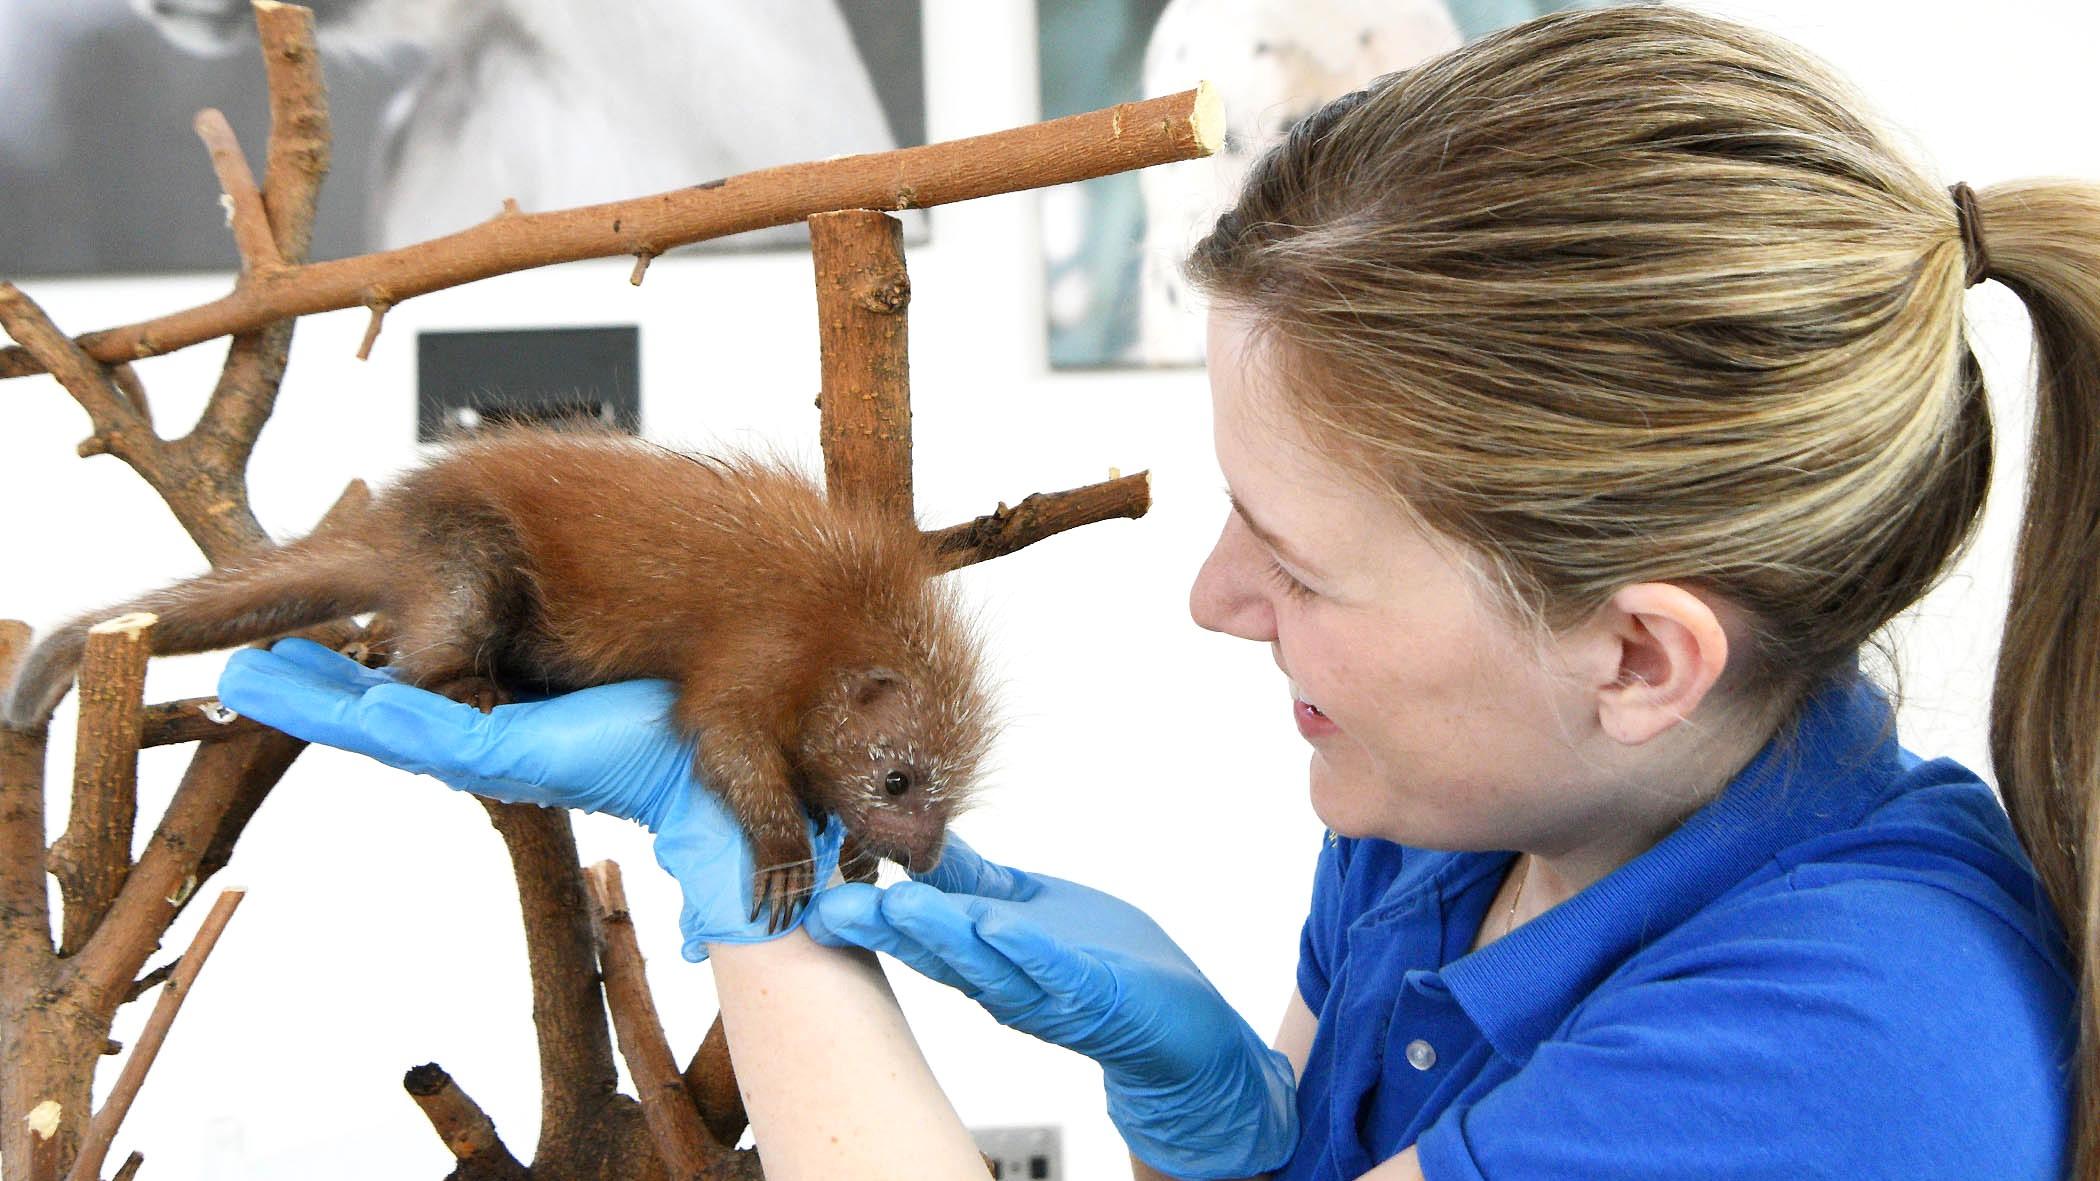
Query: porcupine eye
[[896, 783]]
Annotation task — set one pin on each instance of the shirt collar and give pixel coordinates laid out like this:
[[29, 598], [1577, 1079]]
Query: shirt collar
[[1842, 759]]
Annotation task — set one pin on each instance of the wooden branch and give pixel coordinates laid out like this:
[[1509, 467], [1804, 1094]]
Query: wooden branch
[[1079, 147], [469, 1134], [378, 308], [192, 719], [577, 1075], [103, 1131], [710, 1081], [682, 1141], [301, 142], [93, 856], [296, 161], [1041, 515], [25, 909], [220, 776], [117, 425], [130, 1168], [144, 984], [200, 481], [244, 203], [865, 398]]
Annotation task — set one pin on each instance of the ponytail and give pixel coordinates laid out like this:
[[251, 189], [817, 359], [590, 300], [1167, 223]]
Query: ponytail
[[2044, 244]]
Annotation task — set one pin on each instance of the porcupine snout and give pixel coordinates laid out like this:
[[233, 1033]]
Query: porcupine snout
[[905, 814]]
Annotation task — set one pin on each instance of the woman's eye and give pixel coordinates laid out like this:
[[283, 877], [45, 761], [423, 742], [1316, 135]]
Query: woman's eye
[[1291, 586]]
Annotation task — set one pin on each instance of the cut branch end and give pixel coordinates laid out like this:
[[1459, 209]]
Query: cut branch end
[[1207, 118], [469, 1134]]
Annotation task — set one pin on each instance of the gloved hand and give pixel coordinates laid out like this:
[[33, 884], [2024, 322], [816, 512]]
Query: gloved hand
[[605, 749], [1191, 1086]]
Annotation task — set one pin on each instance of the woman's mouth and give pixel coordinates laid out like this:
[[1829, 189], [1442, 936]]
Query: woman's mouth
[[1311, 722]]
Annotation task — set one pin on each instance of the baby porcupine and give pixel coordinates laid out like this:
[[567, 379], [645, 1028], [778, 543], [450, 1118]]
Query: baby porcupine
[[820, 662]]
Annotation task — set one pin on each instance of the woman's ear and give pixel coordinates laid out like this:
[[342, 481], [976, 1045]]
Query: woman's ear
[[1671, 648]]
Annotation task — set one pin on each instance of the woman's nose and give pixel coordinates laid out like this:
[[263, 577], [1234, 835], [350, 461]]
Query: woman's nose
[[1228, 595]]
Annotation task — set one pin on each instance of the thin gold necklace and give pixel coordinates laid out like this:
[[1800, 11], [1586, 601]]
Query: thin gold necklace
[[1509, 921]]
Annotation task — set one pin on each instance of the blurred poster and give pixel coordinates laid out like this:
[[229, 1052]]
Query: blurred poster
[[1113, 246], [441, 109]]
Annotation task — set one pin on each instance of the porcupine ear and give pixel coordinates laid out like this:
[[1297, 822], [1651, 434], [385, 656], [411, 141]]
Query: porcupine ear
[[866, 686]]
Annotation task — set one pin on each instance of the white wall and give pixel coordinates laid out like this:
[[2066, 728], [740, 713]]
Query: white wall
[[1145, 756]]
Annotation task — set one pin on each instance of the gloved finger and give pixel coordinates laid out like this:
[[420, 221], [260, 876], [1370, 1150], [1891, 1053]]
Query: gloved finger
[[962, 871], [423, 731], [946, 927], [608, 748], [1057, 967], [328, 664], [258, 685], [851, 916]]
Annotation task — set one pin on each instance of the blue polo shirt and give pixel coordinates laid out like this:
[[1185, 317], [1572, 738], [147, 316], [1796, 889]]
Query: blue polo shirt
[[1842, 966]]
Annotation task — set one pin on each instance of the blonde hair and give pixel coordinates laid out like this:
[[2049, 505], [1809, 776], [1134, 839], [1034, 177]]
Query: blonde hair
[[1635, 294]]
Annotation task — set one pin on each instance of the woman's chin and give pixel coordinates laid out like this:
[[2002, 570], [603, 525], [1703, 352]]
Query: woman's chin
[[1352, 800], [1338, 797]]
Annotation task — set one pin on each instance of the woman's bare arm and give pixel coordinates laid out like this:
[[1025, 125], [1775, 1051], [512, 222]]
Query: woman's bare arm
[[1294, 1040], [833, 1080]]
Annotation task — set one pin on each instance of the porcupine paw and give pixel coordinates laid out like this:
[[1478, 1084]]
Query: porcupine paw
[[779, 892], [480, 692]]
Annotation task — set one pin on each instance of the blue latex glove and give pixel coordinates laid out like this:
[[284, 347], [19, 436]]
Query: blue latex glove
[[604, 749], [1191, 1086]]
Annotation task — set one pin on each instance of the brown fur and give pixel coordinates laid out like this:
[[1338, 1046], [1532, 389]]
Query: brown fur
[[815, 653]]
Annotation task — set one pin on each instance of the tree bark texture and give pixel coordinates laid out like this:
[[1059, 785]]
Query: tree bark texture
[[865, 400]]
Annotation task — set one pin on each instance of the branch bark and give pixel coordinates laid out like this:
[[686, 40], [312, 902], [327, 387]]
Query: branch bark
[[93, 856], [301, 141], [674, 1123], [710, 1079], [201, 476], [296, 161], [171, 867], [1079, 147], [191, 719], [1041, 515], [25, 909], [864, 402], [119, 427], [577, 1075], [103, 1131], [244, 202], [469, 1134]]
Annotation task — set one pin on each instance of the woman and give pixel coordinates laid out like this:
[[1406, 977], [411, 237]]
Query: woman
[[1589, 396]]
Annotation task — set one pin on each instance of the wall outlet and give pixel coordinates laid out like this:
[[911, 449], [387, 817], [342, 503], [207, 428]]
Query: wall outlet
[[1022, 1154]]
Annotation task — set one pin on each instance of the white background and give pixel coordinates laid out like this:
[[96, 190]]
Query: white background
[[1144, 756]]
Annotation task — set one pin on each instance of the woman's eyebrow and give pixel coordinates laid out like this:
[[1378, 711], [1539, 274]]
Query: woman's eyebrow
[[1267, 538]]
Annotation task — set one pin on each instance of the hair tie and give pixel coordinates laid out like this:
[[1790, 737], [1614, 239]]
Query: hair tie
[[1971, 233]]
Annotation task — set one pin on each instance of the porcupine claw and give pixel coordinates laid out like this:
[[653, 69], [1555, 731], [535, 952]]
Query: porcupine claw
[[779, 893], [772, 894], [761, 886]]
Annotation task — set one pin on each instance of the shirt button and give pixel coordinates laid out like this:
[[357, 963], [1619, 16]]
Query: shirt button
[[1420, 1054]]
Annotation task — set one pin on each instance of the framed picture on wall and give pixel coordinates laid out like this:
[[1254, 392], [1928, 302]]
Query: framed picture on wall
[[440, 110], [1112, 246]]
